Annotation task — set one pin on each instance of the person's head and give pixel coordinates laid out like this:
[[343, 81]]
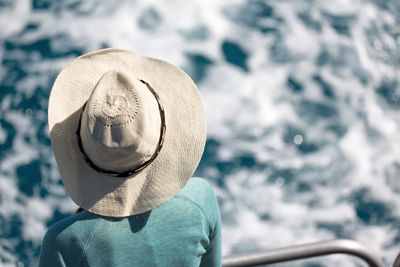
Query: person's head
[[127, 131]]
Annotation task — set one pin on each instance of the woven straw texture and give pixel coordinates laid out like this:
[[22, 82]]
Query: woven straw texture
[[184, 140]]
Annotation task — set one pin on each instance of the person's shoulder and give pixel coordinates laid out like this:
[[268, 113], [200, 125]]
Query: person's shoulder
[[66, 227], [196, 188], [56, 247], [201, 193]]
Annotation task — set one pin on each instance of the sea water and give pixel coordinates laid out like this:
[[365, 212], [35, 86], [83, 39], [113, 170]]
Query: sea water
[[302, 101]]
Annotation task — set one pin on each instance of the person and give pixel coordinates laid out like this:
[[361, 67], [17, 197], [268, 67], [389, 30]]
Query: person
[[128, 133]]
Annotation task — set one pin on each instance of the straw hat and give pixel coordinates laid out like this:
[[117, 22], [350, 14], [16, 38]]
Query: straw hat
[[127, 131]]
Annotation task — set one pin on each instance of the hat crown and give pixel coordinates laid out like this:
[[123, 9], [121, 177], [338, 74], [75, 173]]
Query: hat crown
[[120, 126], [117, 104]]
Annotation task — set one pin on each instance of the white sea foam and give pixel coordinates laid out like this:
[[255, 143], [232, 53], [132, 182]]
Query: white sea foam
[[38, 212], [23, 152]]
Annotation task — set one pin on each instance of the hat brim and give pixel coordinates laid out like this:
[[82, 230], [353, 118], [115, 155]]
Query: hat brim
[[179, 157]]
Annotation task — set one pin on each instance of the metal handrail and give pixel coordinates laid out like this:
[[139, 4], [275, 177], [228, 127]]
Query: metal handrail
[[340, 246]]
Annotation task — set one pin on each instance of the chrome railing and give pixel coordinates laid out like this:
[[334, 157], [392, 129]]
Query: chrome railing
[[341, 246]]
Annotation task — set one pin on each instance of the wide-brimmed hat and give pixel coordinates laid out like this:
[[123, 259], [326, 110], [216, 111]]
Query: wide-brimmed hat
[[127, 131]]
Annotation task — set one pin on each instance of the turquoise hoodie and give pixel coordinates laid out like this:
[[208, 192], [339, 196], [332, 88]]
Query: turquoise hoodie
[[184, 231]]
